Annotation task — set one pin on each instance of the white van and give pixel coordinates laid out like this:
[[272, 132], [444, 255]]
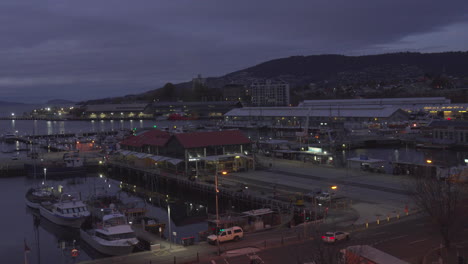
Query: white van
[[234, 233]]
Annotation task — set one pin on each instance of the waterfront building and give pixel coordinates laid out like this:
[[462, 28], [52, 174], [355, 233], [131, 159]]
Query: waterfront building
[[433, 106], [210, 109], [270, 93], [448, 132], [115, 111], [401, 102], [195, 153], [313, 118]]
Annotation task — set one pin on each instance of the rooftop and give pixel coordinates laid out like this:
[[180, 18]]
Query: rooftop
[[153, 137], [212, 138], [376, 111]]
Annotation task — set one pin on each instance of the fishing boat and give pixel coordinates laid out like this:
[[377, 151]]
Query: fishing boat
[[37, 195], [10, 137], [99, 203], [111, 235], [68, 211], [71, 164]]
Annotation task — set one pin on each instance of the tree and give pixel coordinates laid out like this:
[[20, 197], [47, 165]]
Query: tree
[[442, 201]]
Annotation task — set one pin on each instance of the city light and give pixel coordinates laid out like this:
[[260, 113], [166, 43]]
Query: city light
[[428, 161], [334, 187]]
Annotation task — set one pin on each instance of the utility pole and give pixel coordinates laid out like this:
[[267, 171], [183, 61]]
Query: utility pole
[[169, 221], [217, 209]]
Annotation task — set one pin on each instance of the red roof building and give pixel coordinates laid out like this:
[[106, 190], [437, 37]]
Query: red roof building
[[231, 148], [212, 138]]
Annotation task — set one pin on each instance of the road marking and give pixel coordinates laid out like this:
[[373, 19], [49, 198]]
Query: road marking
[[417, 241]]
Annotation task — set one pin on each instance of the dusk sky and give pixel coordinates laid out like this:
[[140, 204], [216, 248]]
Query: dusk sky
[[79, 50]]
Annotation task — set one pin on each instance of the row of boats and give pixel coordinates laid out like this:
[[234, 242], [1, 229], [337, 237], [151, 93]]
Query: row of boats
[[101, 224]]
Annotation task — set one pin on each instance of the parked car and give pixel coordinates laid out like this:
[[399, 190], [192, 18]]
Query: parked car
[[325, 196], [310, 196], [234, 233], [332, 237]]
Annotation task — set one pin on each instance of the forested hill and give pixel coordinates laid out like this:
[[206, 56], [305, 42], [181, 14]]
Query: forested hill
[[401, 74]]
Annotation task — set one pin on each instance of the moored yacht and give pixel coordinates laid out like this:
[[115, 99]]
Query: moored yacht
[[111, 235], [68, 211]]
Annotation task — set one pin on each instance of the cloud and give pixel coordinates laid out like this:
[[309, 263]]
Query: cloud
[[113, 47]]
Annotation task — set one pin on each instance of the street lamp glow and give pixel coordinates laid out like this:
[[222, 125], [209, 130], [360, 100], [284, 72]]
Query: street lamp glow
[[428, 161], [12, 114], [334, 187], [224, 172], [45, 176]]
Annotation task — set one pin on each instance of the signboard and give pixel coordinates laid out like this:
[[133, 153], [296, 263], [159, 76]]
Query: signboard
[[314, 150]]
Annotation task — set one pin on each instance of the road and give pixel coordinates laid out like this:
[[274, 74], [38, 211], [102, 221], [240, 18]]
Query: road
[[408, 240]]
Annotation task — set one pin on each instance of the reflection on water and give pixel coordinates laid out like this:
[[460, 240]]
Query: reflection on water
[[41, 127]]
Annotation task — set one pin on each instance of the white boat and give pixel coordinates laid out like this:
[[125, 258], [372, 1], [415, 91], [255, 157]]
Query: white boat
[[68, 211], [10, 137], [111, 236], [35, 196]]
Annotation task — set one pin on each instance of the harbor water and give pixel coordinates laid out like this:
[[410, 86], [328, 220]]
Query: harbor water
[[50, 243]]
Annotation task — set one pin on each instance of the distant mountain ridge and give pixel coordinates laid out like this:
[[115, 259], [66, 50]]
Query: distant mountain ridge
[[333, 70], [60, 102], [5, 103]]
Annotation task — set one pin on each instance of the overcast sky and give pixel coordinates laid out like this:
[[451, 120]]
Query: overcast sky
[[87, 49]]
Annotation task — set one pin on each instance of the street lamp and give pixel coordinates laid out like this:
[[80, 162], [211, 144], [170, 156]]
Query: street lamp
[[334, 187], [217, 210], [45, 176], [169, 221]]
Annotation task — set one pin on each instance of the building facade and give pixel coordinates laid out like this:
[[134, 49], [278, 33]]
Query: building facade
[[270, 93], [431, 106], [449, 132], [195, 153], [116, 111], [210, 109], [301, 117]]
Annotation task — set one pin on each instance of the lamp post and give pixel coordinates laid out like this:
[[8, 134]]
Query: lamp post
[[169, 221], [45, 176], [217, 209]]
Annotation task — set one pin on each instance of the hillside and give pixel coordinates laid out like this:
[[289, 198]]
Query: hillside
[[393, 74]]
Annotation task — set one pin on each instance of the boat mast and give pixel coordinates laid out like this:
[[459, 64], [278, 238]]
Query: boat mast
[[33, 153]]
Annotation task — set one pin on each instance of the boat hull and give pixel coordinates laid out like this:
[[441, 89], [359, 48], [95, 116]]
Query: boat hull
[[31, 204], [34, 201], [74, 222], [114, 250]]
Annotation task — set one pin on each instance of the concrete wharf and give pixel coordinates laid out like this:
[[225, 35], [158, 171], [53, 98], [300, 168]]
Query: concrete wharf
[[147, 177]]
